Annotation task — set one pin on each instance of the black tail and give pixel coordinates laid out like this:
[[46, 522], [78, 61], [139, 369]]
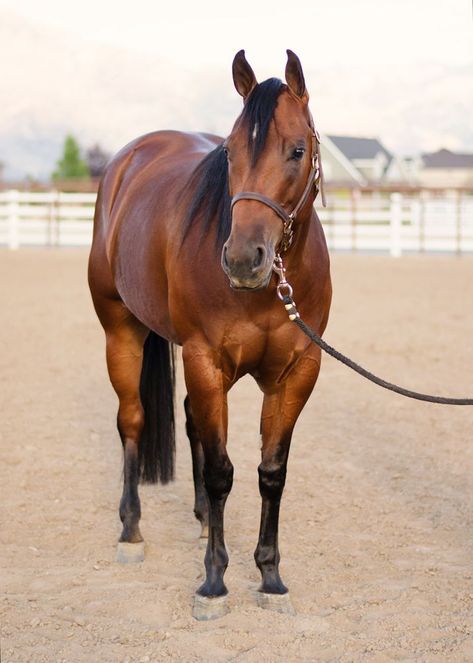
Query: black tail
[[157, 444]]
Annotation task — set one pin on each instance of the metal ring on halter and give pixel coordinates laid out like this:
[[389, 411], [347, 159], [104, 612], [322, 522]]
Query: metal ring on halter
[[279, 288]]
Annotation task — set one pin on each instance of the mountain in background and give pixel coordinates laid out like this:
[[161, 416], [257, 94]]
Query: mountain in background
[[53, 85]]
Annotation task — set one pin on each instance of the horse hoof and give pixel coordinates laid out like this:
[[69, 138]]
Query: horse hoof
[[204, 533], [206, 608], [130, 553], [275, 602]]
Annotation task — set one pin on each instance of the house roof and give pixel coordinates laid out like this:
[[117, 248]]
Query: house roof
[[446, 159], [354, 147], [343, 161]]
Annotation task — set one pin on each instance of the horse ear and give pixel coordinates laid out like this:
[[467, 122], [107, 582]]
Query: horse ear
[[243, 75], [294, 76]]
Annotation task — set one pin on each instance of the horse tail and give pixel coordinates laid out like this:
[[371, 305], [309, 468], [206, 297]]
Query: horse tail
[[158, 442]]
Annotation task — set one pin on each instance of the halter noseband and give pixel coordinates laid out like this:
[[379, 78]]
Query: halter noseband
[[315, 178]]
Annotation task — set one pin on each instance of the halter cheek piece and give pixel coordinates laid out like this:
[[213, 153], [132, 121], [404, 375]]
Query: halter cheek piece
[[315, 179]]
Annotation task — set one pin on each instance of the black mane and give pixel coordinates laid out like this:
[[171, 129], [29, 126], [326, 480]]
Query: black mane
[[210, 200]]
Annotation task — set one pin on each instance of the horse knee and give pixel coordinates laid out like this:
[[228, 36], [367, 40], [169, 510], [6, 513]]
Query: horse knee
[[271, 480], [218, 477]]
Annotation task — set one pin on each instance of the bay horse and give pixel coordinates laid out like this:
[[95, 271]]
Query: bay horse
[[187, 230]]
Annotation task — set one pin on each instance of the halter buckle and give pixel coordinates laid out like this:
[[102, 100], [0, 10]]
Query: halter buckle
[[287, 233], [283, 288]]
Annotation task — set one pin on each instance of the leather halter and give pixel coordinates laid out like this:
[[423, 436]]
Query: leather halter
[[315, 178]]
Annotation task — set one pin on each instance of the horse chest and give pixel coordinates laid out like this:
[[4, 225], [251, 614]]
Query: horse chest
[[249, 350]]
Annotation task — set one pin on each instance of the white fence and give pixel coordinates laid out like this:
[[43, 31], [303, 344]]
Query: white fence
[[50, 218], [375, 221], [398, 223]]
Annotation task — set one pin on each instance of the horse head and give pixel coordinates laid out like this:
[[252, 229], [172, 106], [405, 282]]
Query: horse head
[[272, 165]]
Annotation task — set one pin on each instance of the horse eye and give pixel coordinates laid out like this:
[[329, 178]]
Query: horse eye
[[225, 150], [298, 154]]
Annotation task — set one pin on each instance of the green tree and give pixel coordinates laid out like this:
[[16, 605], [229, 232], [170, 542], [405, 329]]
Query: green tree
[[71, 165]]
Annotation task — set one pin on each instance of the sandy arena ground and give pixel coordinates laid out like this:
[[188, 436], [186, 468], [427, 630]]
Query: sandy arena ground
[[377, 518]]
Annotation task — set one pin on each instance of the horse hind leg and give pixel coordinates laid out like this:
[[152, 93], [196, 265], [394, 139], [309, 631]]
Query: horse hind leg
[[201, 508], [125, 337]]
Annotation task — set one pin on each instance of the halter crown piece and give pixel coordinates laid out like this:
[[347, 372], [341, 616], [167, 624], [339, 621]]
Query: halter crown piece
[[316, 178]]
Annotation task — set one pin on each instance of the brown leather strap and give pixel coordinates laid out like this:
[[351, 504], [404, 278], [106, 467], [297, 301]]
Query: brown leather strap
[[308, 187], [320, 183], [252, 195]]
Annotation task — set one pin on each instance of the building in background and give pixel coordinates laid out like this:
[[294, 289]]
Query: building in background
[[446, 169], [338, 169], [367, 161]]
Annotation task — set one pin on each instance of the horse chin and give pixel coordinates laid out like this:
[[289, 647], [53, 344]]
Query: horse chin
[[241, 286]]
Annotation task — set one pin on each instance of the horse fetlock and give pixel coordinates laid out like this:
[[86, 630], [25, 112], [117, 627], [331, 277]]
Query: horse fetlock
[[130, 509], [216, 560], [213, 586], [266, 556], [131, 533], [272, 583], [130, 514]]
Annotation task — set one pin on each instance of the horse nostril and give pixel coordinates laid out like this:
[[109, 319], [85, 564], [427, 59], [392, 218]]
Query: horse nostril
[[259, 258], [224, 257]]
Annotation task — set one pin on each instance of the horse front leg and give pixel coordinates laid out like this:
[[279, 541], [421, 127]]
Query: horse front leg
[[208, 401], [281, 409]]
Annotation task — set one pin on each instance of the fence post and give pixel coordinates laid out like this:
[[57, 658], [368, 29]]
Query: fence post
[[415, 219], [13, 219], [395, 222], [458, 215], [355, 198], [55, 213], [422, 202]]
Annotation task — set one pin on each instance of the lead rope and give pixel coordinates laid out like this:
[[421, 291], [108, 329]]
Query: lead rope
[[284, 292]]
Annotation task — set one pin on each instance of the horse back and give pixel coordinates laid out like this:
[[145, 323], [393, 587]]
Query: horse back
[[148, 173]]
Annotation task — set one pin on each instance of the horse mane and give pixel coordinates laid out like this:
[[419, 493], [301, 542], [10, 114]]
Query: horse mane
[[210, 198]]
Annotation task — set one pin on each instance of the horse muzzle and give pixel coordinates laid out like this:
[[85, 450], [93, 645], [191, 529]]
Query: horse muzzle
[[248, 268]]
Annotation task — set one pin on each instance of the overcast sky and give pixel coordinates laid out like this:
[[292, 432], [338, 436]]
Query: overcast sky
[[399, 70], [332, 32]]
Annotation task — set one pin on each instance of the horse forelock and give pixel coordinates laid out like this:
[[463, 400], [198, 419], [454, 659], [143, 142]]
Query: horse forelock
[[258, 113]]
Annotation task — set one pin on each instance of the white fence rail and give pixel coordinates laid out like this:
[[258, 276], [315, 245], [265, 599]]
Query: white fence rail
[[394, 223], [397, 223], [52, 218]]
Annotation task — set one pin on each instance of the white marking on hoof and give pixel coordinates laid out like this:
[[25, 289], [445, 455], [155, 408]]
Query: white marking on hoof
[[130, 553], [206, 608], [275, 602], [204, 534]]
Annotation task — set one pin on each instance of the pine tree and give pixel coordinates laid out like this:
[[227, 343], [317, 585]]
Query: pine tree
[[70, 166]]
